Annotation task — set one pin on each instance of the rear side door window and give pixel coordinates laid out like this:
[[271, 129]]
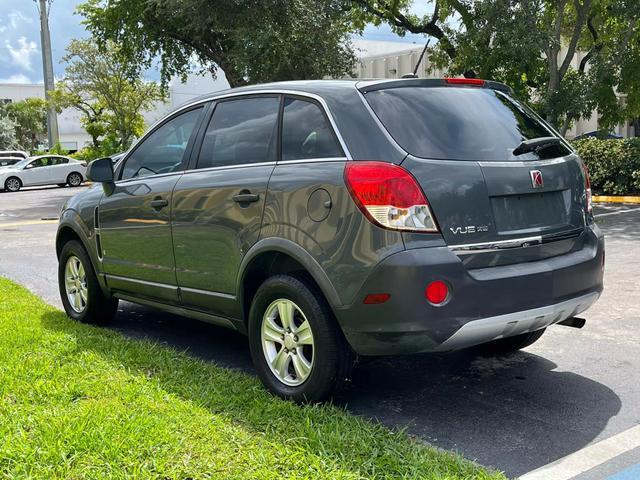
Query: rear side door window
[[306, 132], [163, 150], [241, 132]]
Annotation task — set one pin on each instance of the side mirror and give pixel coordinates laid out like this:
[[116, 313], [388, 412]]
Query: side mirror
[[101, 170]]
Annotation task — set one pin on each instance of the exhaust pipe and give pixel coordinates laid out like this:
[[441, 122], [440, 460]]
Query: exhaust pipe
[[575, 322]]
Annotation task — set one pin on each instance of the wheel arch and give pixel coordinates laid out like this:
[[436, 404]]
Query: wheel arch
[[273, 256], [68, 230]]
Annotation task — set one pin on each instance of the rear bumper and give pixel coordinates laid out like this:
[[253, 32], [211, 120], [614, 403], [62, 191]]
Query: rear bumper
[[486, 304]]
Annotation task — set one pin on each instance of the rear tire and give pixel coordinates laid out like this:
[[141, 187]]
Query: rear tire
[[81, 295], [74, 179], [12, 184], [505, 346], [298, 350]]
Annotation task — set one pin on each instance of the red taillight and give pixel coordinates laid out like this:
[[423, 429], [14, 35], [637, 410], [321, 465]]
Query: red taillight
[[437, 292], [587, 187], [389, 196], [376, 298], [478, 82]]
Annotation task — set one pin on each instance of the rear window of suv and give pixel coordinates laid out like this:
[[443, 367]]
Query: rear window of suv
[[454, 123]]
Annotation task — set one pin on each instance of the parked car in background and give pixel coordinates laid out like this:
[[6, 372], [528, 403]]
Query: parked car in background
[[331, 218], [8, 161], [14, 153], [600, 134], [43, 170]]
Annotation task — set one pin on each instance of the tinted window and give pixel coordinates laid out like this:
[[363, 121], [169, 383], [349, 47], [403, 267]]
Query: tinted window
[[241, 131], [459, 123], [162, 151], [306, 132]]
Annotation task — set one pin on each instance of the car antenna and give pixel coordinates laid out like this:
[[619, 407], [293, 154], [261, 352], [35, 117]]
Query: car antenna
[[415, 69]]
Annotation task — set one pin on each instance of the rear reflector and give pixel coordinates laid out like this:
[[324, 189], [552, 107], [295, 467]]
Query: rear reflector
[[437, 292], [389, 196], [478, 82], [376, 298]]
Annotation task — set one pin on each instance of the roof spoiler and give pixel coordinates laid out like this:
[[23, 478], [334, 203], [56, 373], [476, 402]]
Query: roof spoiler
[[382, 84]]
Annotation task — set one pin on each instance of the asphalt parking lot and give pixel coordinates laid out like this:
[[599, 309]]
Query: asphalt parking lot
[[572, 389]]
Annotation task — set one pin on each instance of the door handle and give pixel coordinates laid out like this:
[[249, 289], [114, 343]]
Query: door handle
[[246, 197], [159, 203]]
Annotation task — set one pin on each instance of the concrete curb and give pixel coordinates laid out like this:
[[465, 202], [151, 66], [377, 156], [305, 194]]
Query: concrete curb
[[616, 199]]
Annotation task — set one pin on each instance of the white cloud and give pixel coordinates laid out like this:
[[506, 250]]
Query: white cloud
[[16, 17], [21, 55], [19, 78]]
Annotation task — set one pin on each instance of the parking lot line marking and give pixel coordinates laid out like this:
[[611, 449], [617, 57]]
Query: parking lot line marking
[[617, 212], [27, 222], [589, 457], [631, 473]]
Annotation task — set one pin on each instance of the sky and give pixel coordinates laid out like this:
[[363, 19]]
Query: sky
[[20, 57]]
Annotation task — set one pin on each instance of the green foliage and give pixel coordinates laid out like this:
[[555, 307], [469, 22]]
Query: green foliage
[[614, 165], [82, 402], [7, 132], [107, 147], [251, 41], [56, 150], [531, 46], [30, 117], [108, 92]]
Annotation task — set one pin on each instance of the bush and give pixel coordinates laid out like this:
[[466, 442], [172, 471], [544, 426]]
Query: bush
[[614, 165]]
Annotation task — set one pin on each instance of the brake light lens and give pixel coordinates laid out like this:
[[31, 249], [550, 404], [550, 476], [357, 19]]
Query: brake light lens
[[389, 196], [478, 82], [587, 187]]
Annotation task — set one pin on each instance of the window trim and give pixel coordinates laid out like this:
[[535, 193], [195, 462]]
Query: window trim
[[197, 148], [203, 104]]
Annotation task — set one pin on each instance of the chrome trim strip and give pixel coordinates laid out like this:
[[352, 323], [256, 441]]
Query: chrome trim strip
[[532, 163], [145, 177], [208, 293], [485, 330], [313, 160], [141, 282], [497, 245], [229, 167]]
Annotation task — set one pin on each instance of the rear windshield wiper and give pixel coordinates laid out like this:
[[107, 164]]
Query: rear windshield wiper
[[535, 144]]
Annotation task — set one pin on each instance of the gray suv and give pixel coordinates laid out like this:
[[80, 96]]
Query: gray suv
[[329, 219]]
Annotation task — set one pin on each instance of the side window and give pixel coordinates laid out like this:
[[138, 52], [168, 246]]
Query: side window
[[241, 131], [62, 161], [306, 132], [162, 151]]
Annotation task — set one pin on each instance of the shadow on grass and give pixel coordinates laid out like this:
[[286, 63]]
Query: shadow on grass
[[515, 413], [328, 432]]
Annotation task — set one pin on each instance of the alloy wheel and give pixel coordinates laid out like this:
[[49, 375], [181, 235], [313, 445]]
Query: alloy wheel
[[287, 342], [13, 185], [75, 283], [75, 179]]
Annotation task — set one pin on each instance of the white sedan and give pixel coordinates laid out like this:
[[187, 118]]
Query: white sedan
[[43, 170]]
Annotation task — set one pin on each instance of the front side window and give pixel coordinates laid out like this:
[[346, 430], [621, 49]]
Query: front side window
[[241, 132], [163, 150], [306, 133]]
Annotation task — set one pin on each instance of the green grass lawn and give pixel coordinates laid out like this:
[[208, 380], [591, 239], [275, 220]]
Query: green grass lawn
[[82, 402]]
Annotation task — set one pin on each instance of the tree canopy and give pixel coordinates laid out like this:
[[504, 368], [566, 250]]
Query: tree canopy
[[108, 92], [30, 119], [252, 41], [531, 46]]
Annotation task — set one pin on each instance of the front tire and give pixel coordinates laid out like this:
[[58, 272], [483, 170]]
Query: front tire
[[296, 345], [81, 295], [505, 346], [74, 179], [12, 184]]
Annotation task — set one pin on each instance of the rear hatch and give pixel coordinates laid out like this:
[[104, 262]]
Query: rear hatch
[[494, 206]]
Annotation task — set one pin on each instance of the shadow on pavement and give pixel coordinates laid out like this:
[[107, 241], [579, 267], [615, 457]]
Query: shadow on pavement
[[514, 413]]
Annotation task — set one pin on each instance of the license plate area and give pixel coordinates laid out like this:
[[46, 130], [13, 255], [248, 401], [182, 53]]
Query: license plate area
[[538, 211]]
